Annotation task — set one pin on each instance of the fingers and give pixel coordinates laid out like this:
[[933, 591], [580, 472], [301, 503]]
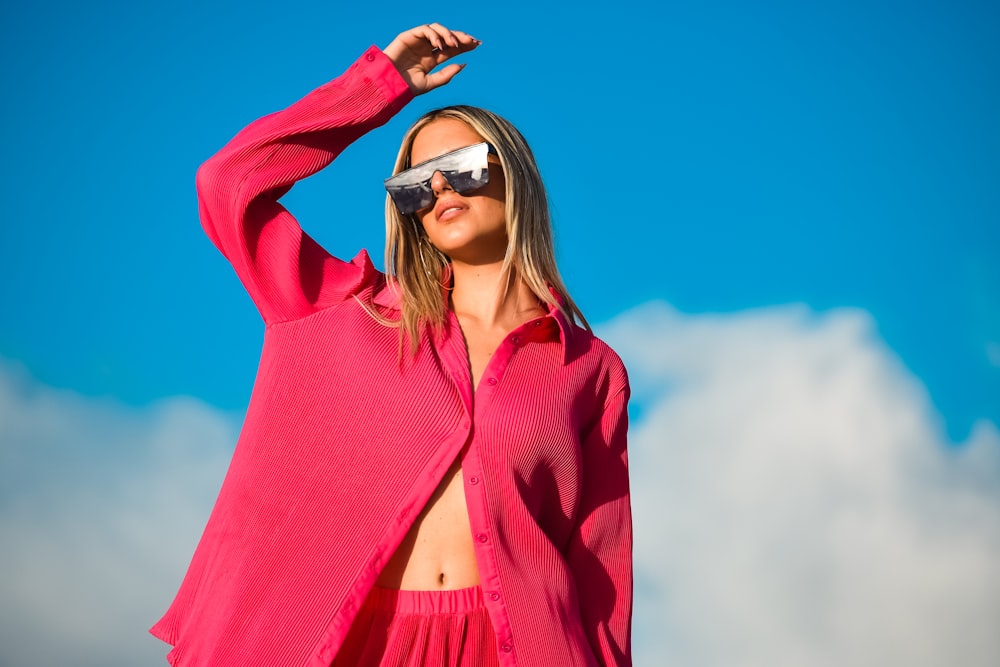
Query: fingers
[[465, 41], [418, 51], [440, 38], [443, 76]]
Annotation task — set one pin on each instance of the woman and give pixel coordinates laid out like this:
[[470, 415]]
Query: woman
[[432, 470]]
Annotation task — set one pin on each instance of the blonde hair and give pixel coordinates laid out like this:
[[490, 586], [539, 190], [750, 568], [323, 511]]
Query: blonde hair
[[415, 267]]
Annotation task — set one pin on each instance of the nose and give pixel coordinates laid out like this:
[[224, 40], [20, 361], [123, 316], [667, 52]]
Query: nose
[[439, 183]]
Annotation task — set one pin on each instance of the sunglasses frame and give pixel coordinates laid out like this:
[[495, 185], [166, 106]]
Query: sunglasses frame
[[468, 167]]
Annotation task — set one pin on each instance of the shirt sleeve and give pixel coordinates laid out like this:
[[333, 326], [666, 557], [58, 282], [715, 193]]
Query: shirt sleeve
[[287, 274], [600, 549]]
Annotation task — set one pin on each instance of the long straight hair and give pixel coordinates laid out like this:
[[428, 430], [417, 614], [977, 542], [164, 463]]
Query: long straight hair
[[416, 268]]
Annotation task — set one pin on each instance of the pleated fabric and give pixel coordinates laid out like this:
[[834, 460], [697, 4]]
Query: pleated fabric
[[345, 441], [421, 629]]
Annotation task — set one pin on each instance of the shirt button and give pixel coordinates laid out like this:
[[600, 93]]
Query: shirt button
[[506, 647], [473, 480], [483, 538], [491, 381], [516, 340], [538, 323], [494, 596], [370, 57]]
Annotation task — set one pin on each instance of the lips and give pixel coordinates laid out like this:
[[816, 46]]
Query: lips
[[448, 208]]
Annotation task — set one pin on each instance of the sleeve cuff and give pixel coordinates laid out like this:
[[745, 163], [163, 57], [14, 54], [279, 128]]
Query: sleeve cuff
[[377, 68]]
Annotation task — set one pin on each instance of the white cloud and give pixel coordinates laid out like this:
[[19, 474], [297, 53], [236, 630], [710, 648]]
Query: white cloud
[[100, 508], [795, 504], [795, 501]]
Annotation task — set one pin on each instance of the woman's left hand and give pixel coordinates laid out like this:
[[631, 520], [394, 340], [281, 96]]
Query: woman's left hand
[[416, 53]]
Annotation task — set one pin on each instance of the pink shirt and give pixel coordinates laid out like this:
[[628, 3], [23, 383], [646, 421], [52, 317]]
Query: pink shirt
[[343, 443]]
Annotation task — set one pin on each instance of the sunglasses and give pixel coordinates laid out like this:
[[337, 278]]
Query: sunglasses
[[466, 169]]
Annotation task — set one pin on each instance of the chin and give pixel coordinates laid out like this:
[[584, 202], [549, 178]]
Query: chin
[[476, 250]]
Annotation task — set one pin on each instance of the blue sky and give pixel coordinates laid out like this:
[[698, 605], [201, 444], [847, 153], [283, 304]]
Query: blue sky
[[734, 160], [720, 156]]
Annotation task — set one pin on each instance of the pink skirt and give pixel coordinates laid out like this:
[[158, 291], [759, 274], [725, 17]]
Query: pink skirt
[[421, 629]]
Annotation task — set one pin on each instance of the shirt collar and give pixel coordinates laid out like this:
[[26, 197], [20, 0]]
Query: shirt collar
[[388, 297]]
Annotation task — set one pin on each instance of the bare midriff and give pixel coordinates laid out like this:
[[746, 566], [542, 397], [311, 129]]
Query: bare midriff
[[437, 552]]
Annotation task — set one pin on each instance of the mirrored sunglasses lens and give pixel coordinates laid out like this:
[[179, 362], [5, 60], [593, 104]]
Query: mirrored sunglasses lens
[[410, 199], [467, 181], [465, 170]]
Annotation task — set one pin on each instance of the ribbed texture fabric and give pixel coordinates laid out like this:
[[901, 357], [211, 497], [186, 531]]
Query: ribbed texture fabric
[[421, 629], [344, 443]]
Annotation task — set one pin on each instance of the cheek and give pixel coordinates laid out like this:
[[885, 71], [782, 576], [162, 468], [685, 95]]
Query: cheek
[[497, 210], [497, 186], [494, 198]]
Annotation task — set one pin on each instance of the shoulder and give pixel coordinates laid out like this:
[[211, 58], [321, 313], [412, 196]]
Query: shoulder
[[594, 353]]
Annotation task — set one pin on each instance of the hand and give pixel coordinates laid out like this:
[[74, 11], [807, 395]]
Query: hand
[[416, 52]]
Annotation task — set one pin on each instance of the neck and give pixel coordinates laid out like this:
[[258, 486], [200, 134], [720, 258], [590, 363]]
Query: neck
[[479, 293]]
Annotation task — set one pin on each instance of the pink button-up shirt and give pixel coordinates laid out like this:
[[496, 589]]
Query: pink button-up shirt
[[344, 443]]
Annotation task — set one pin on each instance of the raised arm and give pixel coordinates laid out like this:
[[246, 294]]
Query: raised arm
[[287, 274]]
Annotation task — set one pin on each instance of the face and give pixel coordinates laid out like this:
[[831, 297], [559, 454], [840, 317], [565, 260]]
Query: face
[[469, 228]]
